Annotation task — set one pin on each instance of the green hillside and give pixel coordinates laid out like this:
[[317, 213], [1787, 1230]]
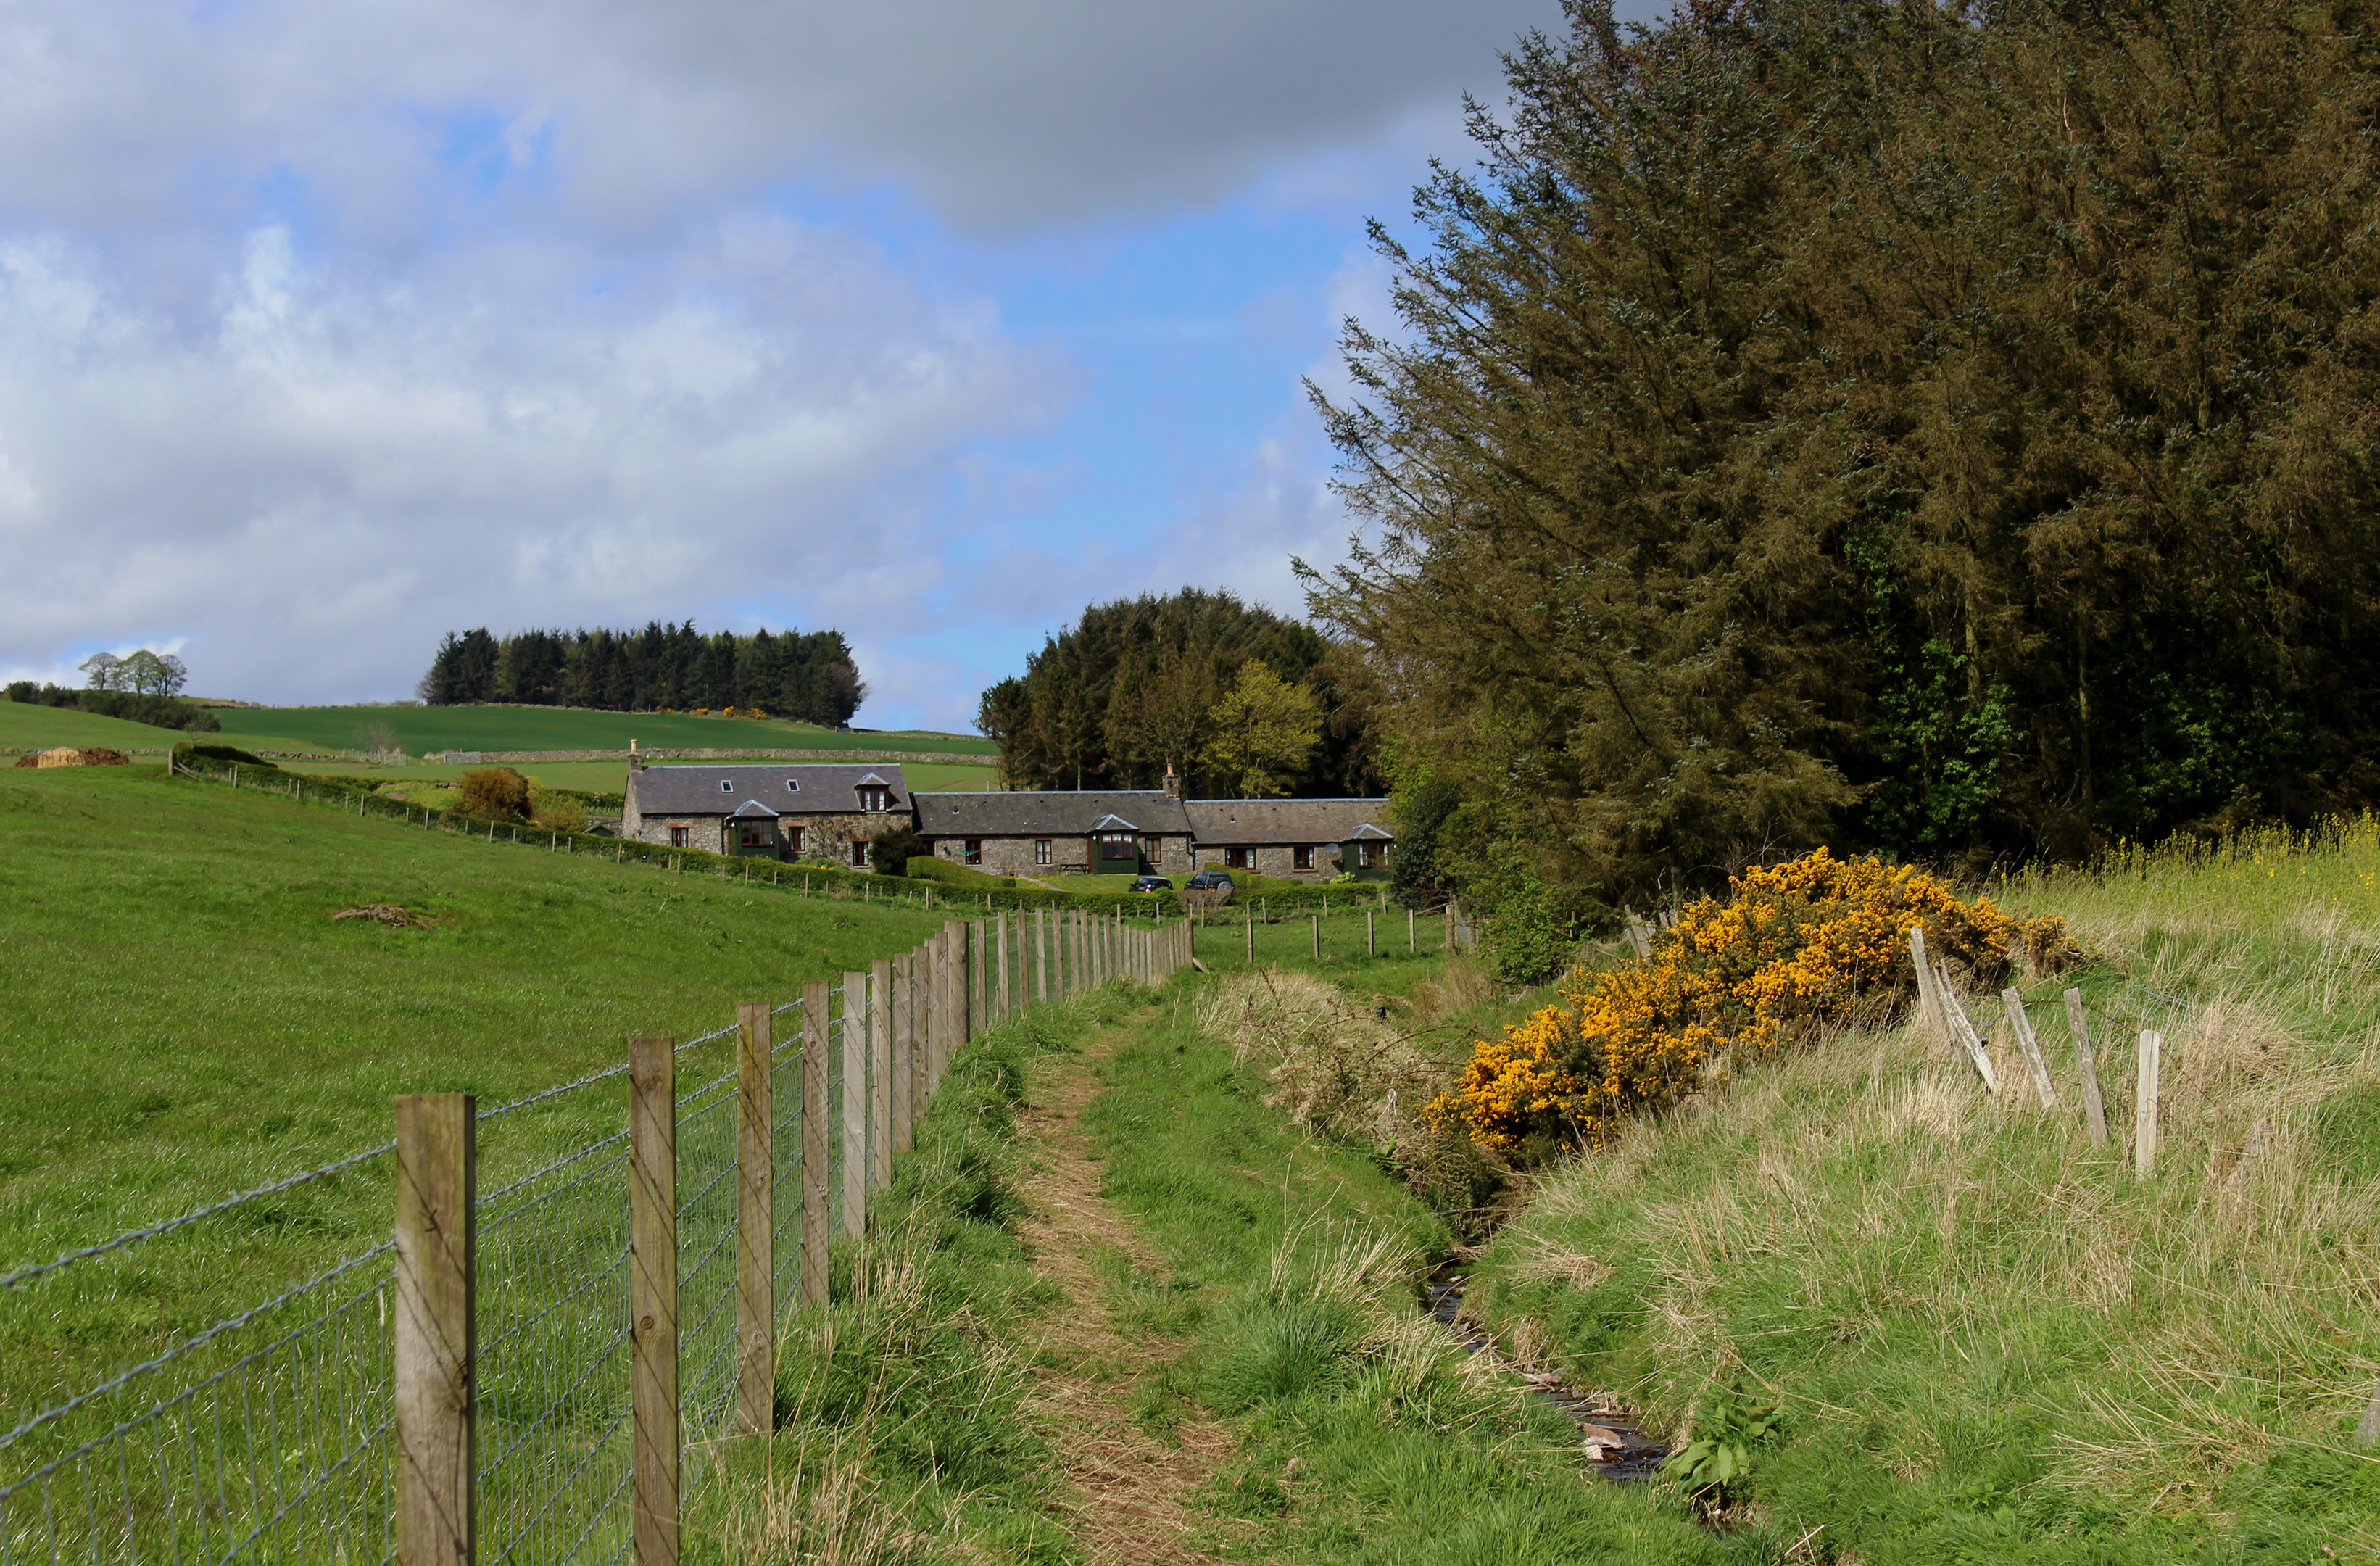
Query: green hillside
[[26, 726], [419, 729], [609, 777]]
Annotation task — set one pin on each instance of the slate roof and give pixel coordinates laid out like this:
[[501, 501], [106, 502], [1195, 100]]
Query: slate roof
[[1048, 813], [825, 789], [1258, 822]]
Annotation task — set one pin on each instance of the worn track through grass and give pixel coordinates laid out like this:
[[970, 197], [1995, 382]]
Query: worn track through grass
[[1131, 1490]]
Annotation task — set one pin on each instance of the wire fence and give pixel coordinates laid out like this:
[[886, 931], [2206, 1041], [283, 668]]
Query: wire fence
[[275, 1434]]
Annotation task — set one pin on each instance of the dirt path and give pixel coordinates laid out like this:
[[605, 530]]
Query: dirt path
[[1130, 1489]]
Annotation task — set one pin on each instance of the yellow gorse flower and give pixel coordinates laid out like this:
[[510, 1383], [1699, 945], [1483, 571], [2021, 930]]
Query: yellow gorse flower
[[1791, 950]]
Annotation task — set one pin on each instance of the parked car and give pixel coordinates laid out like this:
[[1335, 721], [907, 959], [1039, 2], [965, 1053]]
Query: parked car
[[1211, 880], [1153, 883]]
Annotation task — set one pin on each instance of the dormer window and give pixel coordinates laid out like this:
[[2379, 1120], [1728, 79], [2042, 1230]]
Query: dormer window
[[875, 799]]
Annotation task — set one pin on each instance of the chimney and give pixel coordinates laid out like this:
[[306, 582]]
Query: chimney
[[1173, 782], [636, 762]]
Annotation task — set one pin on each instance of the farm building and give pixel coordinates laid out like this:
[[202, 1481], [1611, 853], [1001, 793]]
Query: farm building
[[1295, 839], [1094, 831], [771, 810]]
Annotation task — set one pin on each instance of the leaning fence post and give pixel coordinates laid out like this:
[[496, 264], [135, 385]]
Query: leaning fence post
[[2094, 1109], [756, 1223], [2145, 1102], [433, 1351], [2022, 1027], [855, 1103], [814, 1144], [1964, 1028], [653, 1299], [1929, 1000]]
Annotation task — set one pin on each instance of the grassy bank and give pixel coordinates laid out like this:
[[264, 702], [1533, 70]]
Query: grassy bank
[[1990, 1340], [497, 727], [903, 1433], [1294, 1265]]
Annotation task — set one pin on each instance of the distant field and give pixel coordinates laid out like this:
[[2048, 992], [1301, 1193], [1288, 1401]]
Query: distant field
[[419, 729], [611, 777], [24, 726]]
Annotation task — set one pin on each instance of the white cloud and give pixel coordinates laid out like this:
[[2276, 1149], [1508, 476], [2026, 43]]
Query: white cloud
[[350, 464]]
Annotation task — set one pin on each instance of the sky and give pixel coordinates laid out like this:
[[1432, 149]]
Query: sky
[[325, 330]]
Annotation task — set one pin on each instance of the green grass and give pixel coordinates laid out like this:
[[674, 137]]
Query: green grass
[[182, 1019], [611, 777], [1992, 1342], [900, 1409], [1293, 1266], [419, 729], [26, 727], [1222, 945]]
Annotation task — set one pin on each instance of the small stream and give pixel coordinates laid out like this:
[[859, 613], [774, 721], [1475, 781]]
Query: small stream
[[1620, 1451]]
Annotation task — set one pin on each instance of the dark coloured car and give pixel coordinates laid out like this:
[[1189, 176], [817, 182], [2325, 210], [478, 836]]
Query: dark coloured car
[[1153, 883], [1210, 881]]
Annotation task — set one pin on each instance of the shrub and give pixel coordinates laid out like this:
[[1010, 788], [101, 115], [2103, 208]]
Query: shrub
[[557, 809], [496, 793], [1790, 950], [892, 849], [134, 707], [225, 753]]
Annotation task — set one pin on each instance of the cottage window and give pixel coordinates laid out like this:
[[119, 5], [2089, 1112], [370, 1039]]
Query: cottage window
[[875, 799], [1154, 847], [1302, 856], [973, 855], [794, 842], [1369, 856], [681, 837], [859, 853], [1240, 858], [751, 834], [1041, 850]]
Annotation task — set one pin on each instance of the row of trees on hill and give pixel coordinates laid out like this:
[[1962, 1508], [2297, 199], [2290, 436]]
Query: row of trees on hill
[[809, 676], [1950, 429], [1237, 699]]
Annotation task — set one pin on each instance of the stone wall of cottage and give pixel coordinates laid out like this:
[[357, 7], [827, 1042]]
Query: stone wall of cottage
[[1280, 859], [1069, 854], [822, 837]]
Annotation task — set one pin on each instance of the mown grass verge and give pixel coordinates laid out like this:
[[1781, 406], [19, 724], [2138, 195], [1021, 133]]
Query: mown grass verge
[[1293, 1266], [902, 1430], [1991, 1341]]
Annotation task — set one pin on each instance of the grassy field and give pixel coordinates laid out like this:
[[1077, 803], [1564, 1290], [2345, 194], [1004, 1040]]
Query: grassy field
[[1991, 1342], [183, 1019], [611, 777], [419, 729], [25, 726]]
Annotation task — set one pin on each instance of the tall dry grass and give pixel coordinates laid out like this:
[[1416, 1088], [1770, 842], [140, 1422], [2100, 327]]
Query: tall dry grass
[[1957, 1294]]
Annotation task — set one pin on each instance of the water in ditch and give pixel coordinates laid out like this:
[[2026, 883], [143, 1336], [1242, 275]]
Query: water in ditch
[[1619, 1451]]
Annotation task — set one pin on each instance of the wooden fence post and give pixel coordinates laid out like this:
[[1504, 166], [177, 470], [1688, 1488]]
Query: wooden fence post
[[855, 1103], [880, 1055], [2145, 1102], [1929, 1005], [979, 975], [904, 1052], [1964, 1028], [756, 1223], [815, 1183], [965, 1004], [2094, 1109], [2022, 1025], [652, 1300], [1004, 1014], [1041, 955], [1248, 922], [1371, 933], [434, 1352], [1317, 936]]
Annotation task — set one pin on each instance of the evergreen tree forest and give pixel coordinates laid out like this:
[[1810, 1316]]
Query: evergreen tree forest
[[1137, 684], [807, 676], [1947, 429]]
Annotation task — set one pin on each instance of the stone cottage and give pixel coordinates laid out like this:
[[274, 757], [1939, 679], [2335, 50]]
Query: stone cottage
[[771, 809], [1082, 832], [1295, 839]]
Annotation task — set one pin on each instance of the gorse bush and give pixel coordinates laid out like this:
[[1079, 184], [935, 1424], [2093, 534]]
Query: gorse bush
[[1792, 949]]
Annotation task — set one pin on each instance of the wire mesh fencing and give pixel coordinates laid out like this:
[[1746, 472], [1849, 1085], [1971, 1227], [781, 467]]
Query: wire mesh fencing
[[278, 1430]]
